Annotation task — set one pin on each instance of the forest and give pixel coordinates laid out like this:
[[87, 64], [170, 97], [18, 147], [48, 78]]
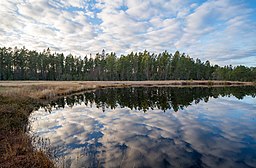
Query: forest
[[23, 64]]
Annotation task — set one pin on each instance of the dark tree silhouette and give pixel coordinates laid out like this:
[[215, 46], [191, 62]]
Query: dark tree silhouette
[[22, 64]]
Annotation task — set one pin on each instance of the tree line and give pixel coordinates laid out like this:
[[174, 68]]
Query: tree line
[[23, 64]]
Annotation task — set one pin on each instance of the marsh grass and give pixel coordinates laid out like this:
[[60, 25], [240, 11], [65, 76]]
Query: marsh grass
[[15, 145], [17, 151]]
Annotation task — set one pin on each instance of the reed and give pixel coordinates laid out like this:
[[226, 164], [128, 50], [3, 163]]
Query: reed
[[15, 145]]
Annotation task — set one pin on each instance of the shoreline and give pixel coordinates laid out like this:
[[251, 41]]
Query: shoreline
[[46, 90], [148, 82], [18, 99]]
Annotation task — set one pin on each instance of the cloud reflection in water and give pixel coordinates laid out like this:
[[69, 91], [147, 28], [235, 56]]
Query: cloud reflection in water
[[219, 133]]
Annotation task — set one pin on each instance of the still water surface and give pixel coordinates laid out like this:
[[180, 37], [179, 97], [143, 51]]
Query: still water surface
[[150, 127]]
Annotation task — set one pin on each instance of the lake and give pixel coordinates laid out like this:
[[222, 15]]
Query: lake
[[150, 127]]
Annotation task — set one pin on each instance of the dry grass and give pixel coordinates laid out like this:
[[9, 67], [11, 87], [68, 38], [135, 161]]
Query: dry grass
[[40, 91], [18, 152], [50, 89], [15, 145]]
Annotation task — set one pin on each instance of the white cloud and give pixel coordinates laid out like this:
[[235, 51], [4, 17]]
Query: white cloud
[[214, 31], [82, 27]]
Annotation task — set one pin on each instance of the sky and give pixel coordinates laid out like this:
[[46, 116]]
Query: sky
[[222, 31]]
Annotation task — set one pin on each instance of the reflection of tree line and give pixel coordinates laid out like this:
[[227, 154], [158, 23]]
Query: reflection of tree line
[[152, 98]]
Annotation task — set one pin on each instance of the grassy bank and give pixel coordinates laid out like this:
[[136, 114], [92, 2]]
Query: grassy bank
[[15, 146], [19, 98]]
